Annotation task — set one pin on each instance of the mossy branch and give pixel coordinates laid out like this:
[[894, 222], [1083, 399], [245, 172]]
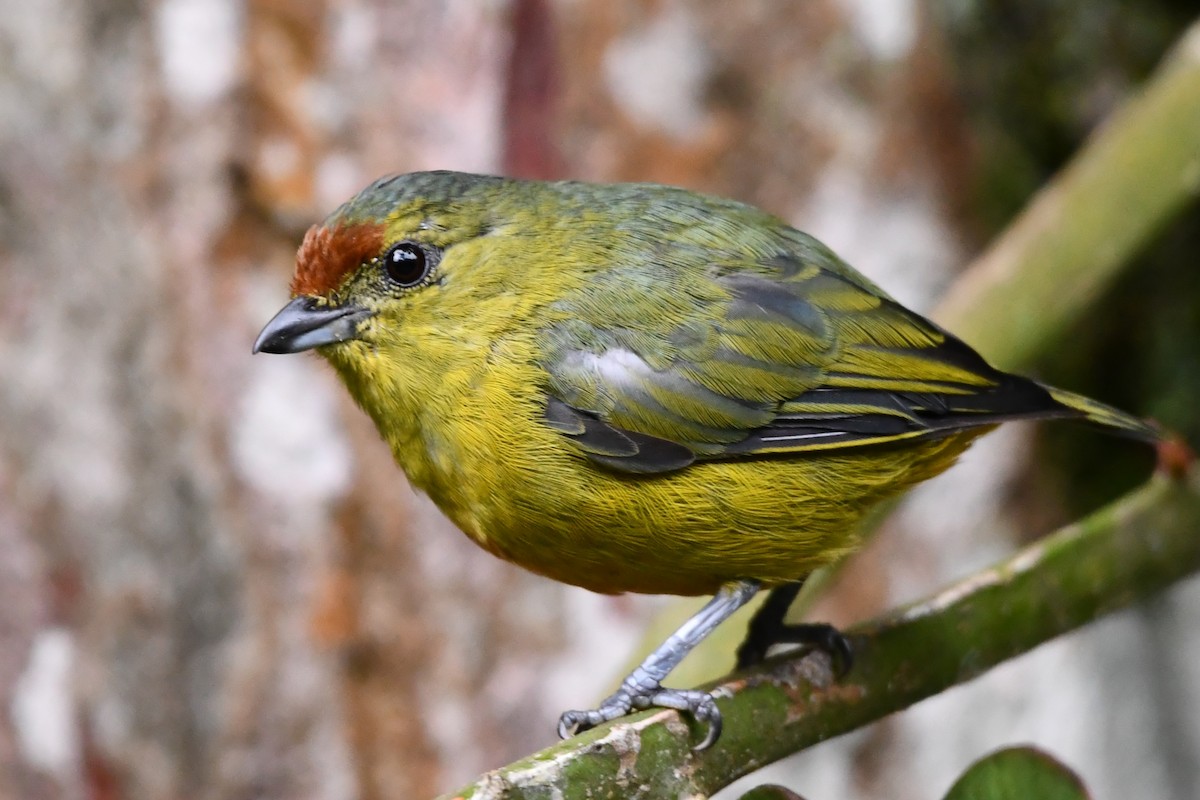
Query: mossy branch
[[1134, 548]]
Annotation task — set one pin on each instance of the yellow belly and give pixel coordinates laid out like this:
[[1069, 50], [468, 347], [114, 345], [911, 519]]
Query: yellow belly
[[479, 448], [772, 519]]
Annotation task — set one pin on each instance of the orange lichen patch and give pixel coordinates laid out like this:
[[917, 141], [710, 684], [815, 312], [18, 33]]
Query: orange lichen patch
[[327, 255], [1175, 458]]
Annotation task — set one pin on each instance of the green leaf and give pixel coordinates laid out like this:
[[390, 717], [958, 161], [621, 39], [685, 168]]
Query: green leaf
[[770, 791], [1018, 773]]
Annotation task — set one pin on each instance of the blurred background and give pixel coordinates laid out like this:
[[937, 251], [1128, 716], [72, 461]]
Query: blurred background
[[214, 583]]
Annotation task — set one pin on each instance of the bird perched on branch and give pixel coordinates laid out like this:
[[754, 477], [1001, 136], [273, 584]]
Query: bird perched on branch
[[637, 388]]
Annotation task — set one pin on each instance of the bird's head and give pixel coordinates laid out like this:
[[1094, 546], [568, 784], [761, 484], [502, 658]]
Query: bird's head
[[379, 266]]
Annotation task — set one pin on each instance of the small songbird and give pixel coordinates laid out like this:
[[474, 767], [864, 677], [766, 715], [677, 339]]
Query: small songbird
[[638, 388]]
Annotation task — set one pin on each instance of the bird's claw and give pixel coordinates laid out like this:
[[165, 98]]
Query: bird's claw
[[700, 705], [692, 701], [838, 646], [573, 722]]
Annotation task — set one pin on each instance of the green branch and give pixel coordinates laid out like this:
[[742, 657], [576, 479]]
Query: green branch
[[1132, 177], [1134, 548]]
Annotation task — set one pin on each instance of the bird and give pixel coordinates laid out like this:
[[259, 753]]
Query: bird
[[639, 388]]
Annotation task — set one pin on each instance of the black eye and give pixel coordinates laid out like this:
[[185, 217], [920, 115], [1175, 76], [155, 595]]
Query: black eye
[[406, 264]]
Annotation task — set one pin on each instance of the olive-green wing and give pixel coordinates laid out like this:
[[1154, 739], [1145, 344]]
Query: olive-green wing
[[653, 369]]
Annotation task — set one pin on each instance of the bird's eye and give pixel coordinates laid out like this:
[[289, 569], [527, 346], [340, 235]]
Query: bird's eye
[[406, 264]]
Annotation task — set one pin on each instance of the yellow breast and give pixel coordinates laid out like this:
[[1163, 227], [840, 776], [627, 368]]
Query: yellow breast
[[479, 448]]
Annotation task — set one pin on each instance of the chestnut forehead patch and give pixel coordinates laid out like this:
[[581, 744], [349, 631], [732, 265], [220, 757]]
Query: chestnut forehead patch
[[328, 254]]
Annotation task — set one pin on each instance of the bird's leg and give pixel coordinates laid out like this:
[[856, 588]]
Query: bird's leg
[[765, 624], [767, 628], [643, 688]]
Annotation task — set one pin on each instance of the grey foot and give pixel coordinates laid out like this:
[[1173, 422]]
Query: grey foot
[[812, 634], [693, 701]]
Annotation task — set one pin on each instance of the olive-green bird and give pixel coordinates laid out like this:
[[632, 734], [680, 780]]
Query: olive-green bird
[[637, 388]]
